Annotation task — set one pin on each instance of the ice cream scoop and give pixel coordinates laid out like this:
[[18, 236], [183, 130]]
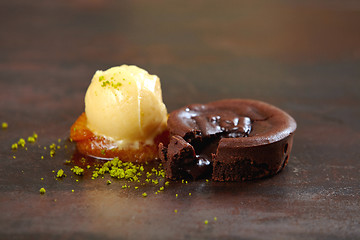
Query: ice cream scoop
[[124, 104]]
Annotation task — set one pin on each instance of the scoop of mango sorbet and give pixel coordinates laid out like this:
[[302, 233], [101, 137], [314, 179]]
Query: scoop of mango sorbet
[[125, 105]]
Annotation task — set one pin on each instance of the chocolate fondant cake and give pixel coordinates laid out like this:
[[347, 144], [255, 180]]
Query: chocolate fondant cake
[[227, 140]]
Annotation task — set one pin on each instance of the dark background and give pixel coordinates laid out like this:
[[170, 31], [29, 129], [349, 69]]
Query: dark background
[[301, 56]]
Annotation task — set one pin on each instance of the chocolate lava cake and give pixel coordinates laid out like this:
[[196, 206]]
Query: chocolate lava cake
[[227, 140]]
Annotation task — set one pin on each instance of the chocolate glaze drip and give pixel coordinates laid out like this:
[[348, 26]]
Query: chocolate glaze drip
[[224, 135]]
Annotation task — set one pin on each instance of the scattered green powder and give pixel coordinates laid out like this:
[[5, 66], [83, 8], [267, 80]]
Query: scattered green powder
[[60, 174], [21, 142], [14, 146], [119, 169], [32, 139], [52, 153], [42, 191], [77, 170], [101, 78]]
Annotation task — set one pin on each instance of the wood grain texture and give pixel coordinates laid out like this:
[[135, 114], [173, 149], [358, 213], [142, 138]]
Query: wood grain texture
[[302, 57]]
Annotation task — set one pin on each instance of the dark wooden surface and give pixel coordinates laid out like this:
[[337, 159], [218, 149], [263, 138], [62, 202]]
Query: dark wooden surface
[[303, 57]]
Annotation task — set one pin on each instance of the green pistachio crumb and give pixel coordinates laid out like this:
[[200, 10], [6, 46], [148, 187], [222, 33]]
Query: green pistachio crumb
[[144, 194], [42, 191], [189, 193], [41, 178], [4, 125], [176, 195], [104, 84], [167, 183], [207, 180], [161, 189], [101, 78], [77, 170], [60, 173], [52, 153], [206, 221], [136, 187], [42, 157], [21, 142], [31, 139], [72, 190], [215, 218], [108, 182], [14, 146], [77, 180], [95, 174], [175, 210], [161, 173]]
